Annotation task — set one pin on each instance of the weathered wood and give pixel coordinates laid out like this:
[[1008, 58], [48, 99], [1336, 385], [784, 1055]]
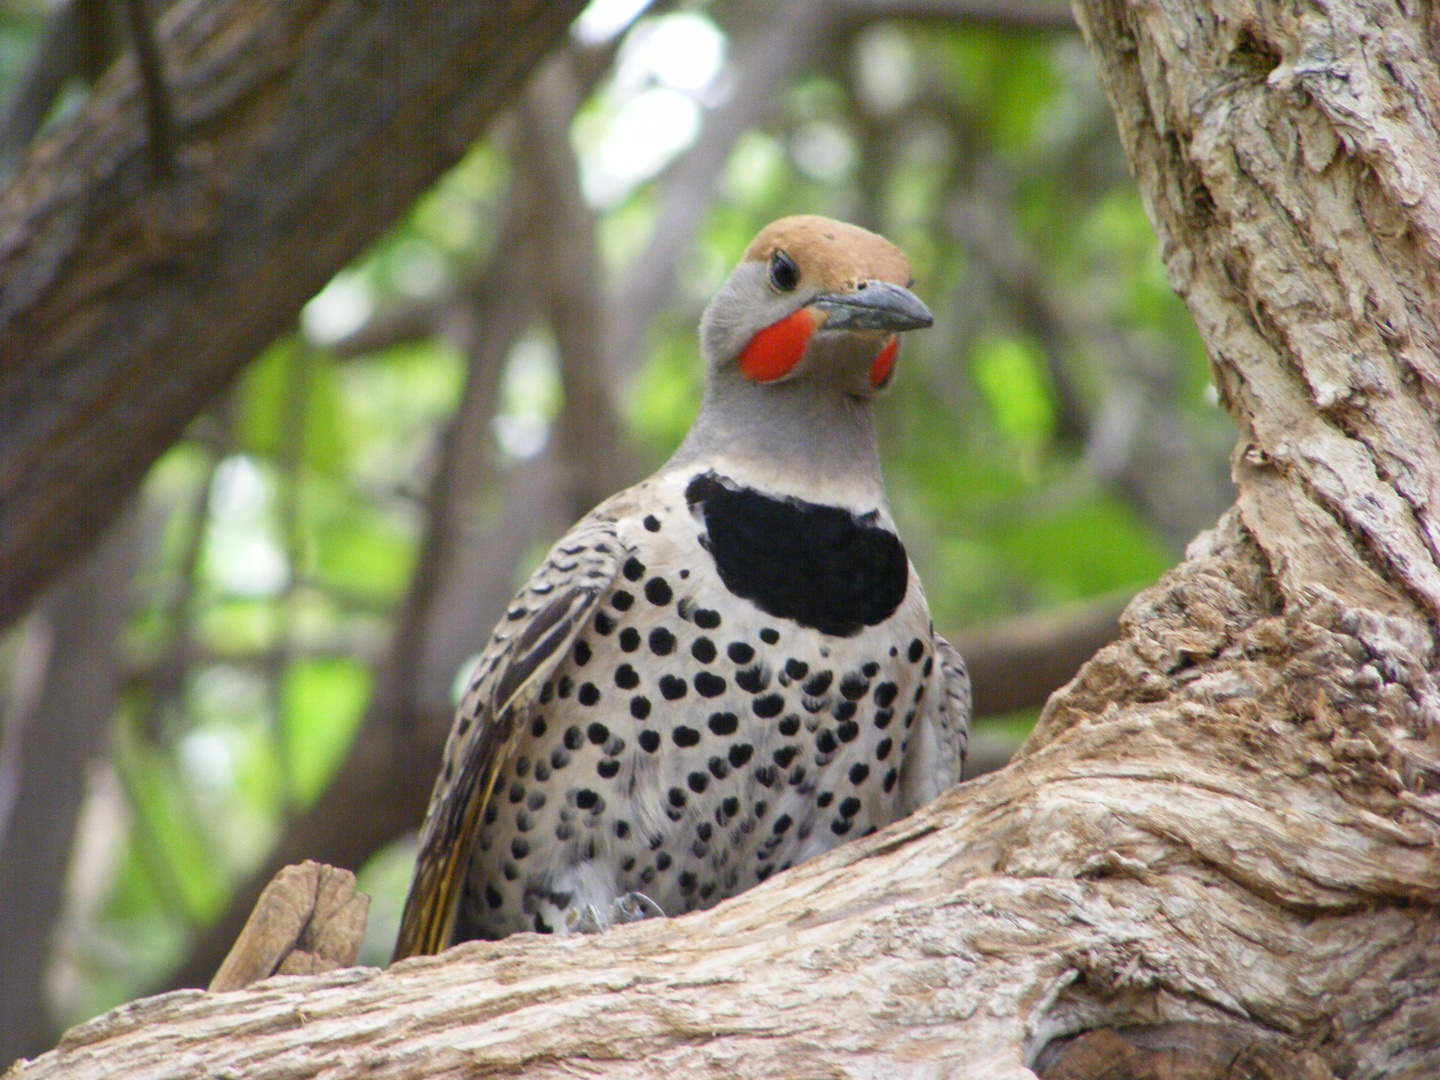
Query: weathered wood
[[309, 920], [303, 128]]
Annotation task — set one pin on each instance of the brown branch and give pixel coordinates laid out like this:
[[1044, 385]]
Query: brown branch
[[50, 739], [58, 58], [379, 790], [1003, 14], [128, 308], [160, 138], [562, 231], [770, 56], [1019, 663]]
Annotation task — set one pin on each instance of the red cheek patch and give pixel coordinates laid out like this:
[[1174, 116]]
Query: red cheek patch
[[778, 348], [884, 365]]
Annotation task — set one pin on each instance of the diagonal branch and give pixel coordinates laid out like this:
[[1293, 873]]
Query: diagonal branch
[[127, 308]]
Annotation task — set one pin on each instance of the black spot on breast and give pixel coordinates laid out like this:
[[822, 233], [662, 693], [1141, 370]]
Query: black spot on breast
[[820, 566], [652, 523], [634, 569], [768, 706], [708, 684], [754, 679], [662, 641], [629, 639], [657, 591], [818, 683], [740, 652], [723, 723]]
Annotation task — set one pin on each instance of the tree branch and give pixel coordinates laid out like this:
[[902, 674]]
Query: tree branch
[[128, 307], [49, 741]]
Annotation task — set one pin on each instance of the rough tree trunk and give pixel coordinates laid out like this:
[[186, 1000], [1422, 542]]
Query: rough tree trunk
[[1228, 817]]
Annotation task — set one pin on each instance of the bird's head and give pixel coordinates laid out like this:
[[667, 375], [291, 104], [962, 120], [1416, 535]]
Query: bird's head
[[817, 301]]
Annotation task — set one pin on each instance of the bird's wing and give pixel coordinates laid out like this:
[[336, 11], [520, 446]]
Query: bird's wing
[[535, 634], [953, 707], [937, 752]]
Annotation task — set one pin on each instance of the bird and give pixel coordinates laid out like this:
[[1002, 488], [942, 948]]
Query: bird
[[724, 670]]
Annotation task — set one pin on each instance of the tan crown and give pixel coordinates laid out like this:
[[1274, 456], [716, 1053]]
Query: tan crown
[[831, 255]]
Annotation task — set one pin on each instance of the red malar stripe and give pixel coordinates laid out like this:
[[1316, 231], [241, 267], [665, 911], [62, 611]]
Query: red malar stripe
[[778, 348], [884, 365]]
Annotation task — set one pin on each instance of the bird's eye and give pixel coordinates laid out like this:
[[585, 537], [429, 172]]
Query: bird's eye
[[784, 274]]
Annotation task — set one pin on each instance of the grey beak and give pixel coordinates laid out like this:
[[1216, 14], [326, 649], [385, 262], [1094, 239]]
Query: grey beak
[[875, 305]]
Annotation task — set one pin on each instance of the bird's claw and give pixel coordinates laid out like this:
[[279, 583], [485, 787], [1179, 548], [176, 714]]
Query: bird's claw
[[634, 906], [584, 920]]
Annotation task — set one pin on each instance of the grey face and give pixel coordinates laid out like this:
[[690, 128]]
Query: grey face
[[852, 326]]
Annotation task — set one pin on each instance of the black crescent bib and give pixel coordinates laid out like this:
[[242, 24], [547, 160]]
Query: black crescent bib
[[820, 566]]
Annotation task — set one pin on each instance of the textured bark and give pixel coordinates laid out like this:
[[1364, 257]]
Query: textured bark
[[1229, 817], [303, 128]]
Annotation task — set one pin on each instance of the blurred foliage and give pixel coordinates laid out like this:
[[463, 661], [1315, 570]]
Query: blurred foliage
[[292, 515]]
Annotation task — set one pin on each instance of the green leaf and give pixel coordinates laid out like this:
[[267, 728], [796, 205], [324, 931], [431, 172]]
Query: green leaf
[[1011, 374], [322, 702]]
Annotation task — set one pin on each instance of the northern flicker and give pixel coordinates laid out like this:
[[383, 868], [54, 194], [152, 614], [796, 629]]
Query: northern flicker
[[725, 669]]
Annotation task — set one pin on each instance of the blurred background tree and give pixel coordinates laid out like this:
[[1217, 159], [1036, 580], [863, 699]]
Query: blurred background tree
[[257, 665]]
